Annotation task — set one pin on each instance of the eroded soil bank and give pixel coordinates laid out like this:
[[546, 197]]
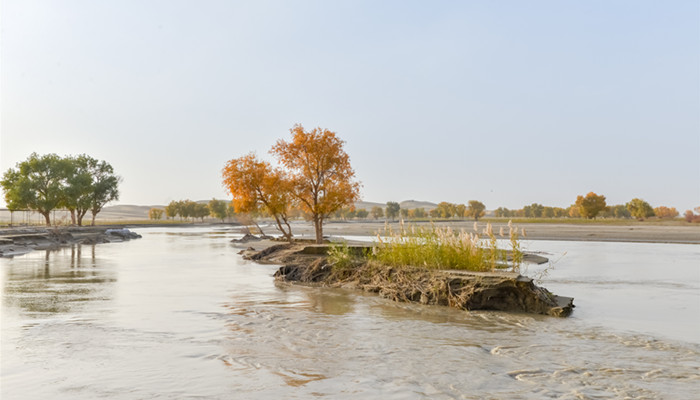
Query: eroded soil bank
[[502, 291], [19, 241]]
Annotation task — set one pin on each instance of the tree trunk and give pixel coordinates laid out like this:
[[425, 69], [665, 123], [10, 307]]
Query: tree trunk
[[93, 219], [72, 217], [47, 215], [318, 226], [286, 233]]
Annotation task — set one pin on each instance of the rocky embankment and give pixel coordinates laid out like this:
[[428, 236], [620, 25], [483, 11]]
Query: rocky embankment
[[19, 241], [502, 291]]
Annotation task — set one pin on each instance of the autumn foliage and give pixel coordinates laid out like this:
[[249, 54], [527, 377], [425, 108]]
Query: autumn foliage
[[665, 212], [321, 178], [316, 178], [590, 205], [257, 187]]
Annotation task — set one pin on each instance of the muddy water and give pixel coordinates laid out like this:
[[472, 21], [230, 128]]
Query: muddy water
[[177, 315]]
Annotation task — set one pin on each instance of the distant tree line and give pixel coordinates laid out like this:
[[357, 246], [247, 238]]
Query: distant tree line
[[591, 206], [188, 209], [44, 183], [392, 211], [587, 206]]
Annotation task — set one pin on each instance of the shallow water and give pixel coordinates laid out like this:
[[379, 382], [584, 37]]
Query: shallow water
[[178, 315]]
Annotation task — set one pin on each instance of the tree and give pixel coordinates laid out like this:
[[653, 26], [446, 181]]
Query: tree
[[573, 211], [91, 184], [590, 205], [548, 212], [322, 178], [362, 213], [218, 208], [476, 209], [38, 184], [105, 185], [560, 212], [502, 212], [461, 210], [201, 210], [392, 210], [405, 213], [665, 212], [534, 210], [186, 208], [79, 188], [171, 210], [690, 216], [155, 213], [344, 213], [377, 212], [639, 209], [256, 186], [352, 213], [620, 211], [444, 210], [230, 211]]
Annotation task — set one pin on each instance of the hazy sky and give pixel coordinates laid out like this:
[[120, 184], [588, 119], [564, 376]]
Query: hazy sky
[[507, 102]]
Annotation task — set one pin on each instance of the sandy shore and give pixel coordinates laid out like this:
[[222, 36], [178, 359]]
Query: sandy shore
[[605, 233]]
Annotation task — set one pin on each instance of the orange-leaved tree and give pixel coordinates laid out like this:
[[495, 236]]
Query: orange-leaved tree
[[322, 178], [256, 186], [665, 212]]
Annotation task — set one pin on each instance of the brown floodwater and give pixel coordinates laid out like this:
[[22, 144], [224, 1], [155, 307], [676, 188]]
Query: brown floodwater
[[179, 315]]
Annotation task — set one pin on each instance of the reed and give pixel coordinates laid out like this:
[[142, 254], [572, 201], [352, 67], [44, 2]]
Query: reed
[[444, 248]]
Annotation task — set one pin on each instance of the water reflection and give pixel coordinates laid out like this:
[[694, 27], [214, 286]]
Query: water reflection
[[55, 281], [324, 301]]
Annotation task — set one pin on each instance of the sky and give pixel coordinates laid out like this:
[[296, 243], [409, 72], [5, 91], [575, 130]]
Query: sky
[[508, 102]]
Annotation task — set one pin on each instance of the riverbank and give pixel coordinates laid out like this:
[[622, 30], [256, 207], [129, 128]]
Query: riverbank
[[467, 290], [536, 231], [18, 241]]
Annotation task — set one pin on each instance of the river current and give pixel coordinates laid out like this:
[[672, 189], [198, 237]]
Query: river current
[[179, 315]]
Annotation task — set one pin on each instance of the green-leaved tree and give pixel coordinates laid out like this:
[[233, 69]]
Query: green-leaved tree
[[476, 209], [392, 210]]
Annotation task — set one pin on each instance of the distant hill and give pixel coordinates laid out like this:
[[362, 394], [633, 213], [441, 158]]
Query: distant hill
[[411, 204], [125, 212], [129, 211]]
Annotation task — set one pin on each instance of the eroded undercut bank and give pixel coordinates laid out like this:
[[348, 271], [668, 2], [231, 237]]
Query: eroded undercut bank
[[467, 290]]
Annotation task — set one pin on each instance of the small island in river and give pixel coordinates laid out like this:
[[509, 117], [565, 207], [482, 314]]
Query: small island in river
[[468, 290]]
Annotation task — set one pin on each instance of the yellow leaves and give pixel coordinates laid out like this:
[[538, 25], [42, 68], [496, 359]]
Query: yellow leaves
[[665, 212], [590, 205], [318, 178], [320, 170]]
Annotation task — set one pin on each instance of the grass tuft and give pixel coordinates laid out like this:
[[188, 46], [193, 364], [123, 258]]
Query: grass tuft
[[443, 248]]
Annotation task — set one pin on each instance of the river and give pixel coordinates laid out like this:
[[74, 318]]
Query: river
[[179, 315]]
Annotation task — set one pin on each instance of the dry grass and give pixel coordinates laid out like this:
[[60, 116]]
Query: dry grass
[[443, 248]]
